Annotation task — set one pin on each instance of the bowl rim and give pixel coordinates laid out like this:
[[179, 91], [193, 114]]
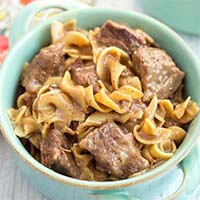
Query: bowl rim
[[38, 167]]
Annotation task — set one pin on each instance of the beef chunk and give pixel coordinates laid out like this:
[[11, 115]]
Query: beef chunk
[[54, 154], [114, 150], [74, 64], [84, 74], [157, 71], [133, 106], [114, 34], [136, 109], [48, 62], [171, 122]]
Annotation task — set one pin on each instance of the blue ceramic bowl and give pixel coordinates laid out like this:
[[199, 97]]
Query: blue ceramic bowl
[[60, 187]]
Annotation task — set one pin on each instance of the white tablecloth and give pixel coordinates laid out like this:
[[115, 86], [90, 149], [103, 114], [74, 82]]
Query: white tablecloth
[[13, 186]]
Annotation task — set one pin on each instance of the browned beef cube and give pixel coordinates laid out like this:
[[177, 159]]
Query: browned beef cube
[[114, 34], [48, 62], [171, 122], [133, 106], [55, 154], [114, 150], [84, 74], [73, 64], [157, 71]]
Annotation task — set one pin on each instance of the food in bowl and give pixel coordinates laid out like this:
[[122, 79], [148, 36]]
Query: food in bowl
[[102, 104]]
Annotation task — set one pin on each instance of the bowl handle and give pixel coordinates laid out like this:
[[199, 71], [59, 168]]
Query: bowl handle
[[112, 195], [21, 23], [190, 166]]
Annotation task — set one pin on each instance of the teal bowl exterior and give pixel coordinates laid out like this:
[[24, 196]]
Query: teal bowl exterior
[[182, 15], [57, 186]]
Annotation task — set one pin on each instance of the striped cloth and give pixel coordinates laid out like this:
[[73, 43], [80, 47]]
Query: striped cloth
[[8, 10]]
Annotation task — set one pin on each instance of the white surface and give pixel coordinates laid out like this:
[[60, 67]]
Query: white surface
[[13, 186]]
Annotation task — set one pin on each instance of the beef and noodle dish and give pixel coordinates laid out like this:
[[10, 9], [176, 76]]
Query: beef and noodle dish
[[103, 104]]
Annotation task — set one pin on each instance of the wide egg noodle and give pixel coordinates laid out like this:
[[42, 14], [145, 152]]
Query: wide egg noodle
[[23, 122], [55, 106], [132, 81], [75, 40], [91, 101], [58, 29], [186, 111], [163, 150], [77, 45], [77, 92], [181, 108], [104, 99], [97, 47], [161, 134], [146, 154], [178, 134], [95, 120], [109, 67]]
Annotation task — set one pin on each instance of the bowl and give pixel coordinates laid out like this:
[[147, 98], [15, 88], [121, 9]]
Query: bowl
[[53, 184]]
